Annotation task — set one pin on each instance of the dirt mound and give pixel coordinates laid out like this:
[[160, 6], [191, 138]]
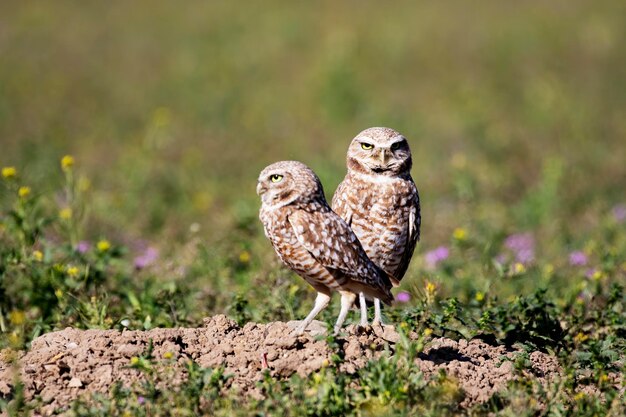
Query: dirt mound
[[63, 365]]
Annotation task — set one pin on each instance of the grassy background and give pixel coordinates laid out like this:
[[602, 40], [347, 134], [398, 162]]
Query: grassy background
[[516, 115]]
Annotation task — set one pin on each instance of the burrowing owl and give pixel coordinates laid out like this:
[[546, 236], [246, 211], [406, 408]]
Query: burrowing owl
[[380, 202], [314, 241]]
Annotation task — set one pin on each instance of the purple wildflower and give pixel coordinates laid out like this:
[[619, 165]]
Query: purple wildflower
[[523, 247], [141, 400], [520, 241], [435, 256], [83, 246], [577, 258], [591, 272], [147, 258], [619, 213], [403, 297], [525, 256]]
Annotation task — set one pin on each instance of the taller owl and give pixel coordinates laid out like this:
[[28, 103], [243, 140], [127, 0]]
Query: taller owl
[[380, 202]]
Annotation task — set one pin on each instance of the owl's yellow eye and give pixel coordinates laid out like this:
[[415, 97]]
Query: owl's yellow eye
[[276, 178], [367, 146]]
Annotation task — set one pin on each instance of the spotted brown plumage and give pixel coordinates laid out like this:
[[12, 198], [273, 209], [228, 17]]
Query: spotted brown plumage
[[314, 241], [380, 201]]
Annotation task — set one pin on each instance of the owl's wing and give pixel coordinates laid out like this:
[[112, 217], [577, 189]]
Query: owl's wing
[[415, 219], [413, 236], [340, 203], [329, 239]]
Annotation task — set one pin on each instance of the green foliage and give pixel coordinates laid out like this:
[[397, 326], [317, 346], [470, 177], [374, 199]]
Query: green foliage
[[532, 320]]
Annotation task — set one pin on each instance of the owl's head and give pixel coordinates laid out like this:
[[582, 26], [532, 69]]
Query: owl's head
[[380, 151], [286, 182]]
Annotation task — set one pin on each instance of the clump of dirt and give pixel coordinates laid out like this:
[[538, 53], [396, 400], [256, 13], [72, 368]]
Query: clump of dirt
[[63, 365]]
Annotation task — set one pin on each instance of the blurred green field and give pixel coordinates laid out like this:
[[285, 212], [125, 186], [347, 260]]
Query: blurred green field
[[515, 113]]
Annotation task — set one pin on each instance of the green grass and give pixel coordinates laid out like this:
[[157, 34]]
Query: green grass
[[514, 112]]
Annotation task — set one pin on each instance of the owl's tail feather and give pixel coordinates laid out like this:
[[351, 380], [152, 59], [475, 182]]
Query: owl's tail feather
[[395, 282]]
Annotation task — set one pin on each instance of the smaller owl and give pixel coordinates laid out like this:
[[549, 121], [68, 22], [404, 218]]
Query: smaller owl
[[380, 202], [315, 242]]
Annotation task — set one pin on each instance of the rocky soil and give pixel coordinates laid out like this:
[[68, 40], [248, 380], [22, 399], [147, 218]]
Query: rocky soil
[[63, 365]]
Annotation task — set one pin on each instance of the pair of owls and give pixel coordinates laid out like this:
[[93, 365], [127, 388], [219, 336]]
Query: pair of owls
[[364, 244]]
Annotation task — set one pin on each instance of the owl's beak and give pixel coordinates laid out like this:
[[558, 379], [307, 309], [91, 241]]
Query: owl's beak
[[260, 189], [383, 157]]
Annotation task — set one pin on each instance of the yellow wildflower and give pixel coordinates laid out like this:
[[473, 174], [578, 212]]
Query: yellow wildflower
[[58, 292], [67, 162], [73, 271], [65, 213], [579, 396], [580, 337], [519, 268], [604, 378], [459, 234], [103, 245], [597, 275], [9, 172], [17, 317], [317, 378], [479, 296], [23, 191], [430, 287], [134, 360], [548, 270], [168, 355], [14, 339], [38, 256], [590, 247], [428, 332], [202, 200], [244, 257], [84, 184], [293, 289]]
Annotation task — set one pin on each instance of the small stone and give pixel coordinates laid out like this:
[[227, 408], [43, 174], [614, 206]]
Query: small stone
[[75, 383]]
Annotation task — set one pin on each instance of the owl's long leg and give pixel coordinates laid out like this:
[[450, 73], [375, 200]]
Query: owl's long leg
[[321, 301], [377, 316], [347, 299], [363, 309]]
